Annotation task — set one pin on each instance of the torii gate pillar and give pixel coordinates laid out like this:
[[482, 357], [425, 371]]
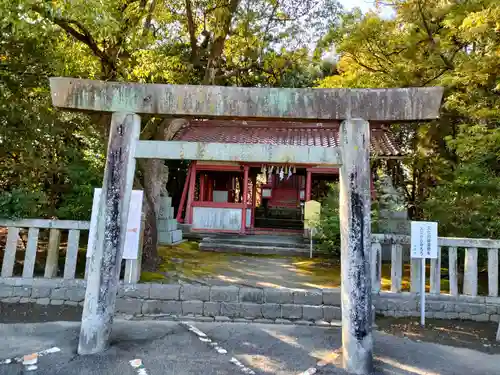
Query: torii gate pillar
[[355, 233]]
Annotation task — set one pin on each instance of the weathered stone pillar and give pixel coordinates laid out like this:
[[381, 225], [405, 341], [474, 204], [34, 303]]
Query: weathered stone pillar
[[105, 263], [355, 230]]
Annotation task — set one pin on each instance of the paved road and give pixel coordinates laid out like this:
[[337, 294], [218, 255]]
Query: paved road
[[167, 347]]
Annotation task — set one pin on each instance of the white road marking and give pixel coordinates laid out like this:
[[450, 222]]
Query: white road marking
[[309, 371], [193, 329], [242, 367], [138, 366], [220, 350], [204, 338], [30, 357]]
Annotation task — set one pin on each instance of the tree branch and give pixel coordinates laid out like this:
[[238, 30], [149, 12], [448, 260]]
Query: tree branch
[[149, 17], [369, 68], [80, 32], [192, 32], [218, 44], [429, 32]]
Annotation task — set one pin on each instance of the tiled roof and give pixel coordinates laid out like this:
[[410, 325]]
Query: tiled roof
[[285, 133]]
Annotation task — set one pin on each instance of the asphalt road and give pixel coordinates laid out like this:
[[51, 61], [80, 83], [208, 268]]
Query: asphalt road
[[166, 347]]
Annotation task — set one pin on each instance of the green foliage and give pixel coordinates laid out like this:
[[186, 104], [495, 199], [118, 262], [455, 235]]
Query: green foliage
[[452, 169], [328, 229], [327, 236], [466, 205], [47, 158], [50, 161], [21, 203]]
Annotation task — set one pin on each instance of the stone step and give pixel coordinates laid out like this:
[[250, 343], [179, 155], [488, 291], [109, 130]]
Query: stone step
[[224, 247], [170, 238], [257, 242], [167, 225]]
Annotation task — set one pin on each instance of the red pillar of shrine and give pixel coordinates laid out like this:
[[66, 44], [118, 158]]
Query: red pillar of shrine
[[203, 178], [308, 186], [254, 199], [210, 189], [244, 200], [192, 185], [184, 195]]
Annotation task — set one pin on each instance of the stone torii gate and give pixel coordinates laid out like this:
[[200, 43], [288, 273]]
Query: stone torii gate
[[355, 107]]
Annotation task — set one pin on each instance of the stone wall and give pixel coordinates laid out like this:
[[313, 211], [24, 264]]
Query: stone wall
[[439, 306], [231, 303]]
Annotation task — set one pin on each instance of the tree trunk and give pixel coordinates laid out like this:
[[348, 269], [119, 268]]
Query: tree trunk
[[152, 173], [154, 183]]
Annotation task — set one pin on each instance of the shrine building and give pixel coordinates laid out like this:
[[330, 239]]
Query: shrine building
[[247, 197]]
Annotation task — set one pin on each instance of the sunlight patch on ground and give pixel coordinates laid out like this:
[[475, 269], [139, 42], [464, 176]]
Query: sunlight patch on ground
[[327, 357], [266, 284], [261, 362], [229, 279], [292, 341], [402, 366]]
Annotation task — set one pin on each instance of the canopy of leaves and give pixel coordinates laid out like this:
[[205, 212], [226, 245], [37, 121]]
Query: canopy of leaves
[[52, 160], [452, 170]]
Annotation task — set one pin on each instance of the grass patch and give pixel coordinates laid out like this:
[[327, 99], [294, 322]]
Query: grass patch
[[186, 260], [321, 273], [325, 273]]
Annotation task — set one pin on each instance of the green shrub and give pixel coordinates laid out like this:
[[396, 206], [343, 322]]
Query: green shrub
[[328, 228], [327, 238]]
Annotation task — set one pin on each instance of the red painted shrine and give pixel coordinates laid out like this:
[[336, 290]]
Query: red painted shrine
[[242, 197]]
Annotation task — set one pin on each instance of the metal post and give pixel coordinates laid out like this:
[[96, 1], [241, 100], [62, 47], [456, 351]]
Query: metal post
[[422, 293], [105, 262], [355, 224], [311, 243]]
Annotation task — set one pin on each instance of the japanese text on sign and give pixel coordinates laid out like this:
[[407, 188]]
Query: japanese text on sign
[[424, 239], [132, 237]]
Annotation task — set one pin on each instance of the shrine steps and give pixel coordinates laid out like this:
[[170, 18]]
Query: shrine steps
[[292, 245]]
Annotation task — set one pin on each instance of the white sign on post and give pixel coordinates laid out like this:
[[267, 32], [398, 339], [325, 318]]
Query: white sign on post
[[424, 239], [424, 244], [131, 249]]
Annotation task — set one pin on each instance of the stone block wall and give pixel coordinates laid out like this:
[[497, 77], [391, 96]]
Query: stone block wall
[[439, 306], [168, 231], [222, 303], [232, 303]]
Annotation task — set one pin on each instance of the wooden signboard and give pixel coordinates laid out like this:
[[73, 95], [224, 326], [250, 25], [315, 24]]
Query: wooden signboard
[[312, 210]]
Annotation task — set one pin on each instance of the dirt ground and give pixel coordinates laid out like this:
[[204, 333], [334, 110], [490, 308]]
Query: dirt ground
[[480, 336]]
